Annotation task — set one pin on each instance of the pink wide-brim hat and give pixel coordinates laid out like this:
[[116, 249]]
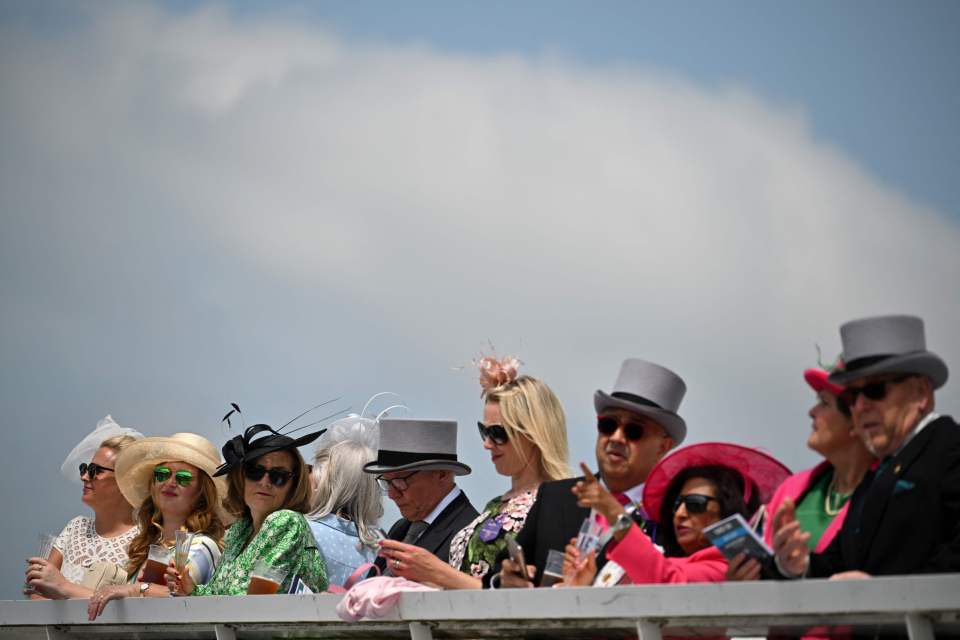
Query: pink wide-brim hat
[[760, 470]]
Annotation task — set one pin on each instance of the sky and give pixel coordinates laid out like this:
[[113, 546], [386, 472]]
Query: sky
[[276, 204]]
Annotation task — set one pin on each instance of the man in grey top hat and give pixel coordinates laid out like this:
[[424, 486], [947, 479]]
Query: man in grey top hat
[[415, 466], [637, 424], [904, 517]]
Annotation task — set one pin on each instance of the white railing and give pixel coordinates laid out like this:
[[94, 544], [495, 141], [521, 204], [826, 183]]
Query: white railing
[[918, 606]]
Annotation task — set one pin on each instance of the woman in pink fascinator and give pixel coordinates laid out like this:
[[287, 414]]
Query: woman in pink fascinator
[[524, 430]]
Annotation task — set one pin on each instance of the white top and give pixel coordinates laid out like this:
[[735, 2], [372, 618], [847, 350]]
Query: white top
[[450, 497], [82, 546]]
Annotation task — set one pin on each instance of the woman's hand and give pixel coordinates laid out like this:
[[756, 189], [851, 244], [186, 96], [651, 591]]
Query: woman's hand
[[789, 541], [578, 570], [511, 578], [412, 562], [179, 584], [592, 495], [44, 577], [103, 595], [743, 568]]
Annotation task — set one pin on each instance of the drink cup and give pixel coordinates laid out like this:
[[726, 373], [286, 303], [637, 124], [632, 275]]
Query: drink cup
[[45, 548], [155, 569], [181, 552], [265, 579], [553, 569], [45, 543]]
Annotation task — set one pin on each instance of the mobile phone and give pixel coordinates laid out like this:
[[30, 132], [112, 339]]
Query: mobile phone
[[516, 556]]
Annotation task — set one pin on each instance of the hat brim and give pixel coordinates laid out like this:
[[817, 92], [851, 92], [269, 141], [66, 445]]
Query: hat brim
[[458, 468], [762, 469], [674, 425], [258, 452], [135, 467], [922, 363], [818, 381]]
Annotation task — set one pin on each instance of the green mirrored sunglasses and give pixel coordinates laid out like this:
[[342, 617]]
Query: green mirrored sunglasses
[[182, 477]]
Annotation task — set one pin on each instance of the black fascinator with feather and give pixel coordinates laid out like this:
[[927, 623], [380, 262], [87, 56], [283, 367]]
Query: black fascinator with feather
[[261, 439]]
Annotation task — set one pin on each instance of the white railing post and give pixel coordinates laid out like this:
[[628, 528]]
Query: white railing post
[[224, 632], [648, 630], [420, 631], [919, 627]]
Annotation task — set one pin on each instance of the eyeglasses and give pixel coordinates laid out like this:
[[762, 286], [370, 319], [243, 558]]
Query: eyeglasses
[[496, 433], [873, 391], [400, 484], [694, 502], [632, 430], [93, 469], [182, 477], [278, 475]]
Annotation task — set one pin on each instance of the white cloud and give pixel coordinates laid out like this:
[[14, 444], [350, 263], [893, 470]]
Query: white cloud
[[588, 214]]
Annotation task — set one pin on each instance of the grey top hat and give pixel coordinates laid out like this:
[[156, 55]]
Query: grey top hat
[[887, 344], [649, 390], [417, 444]]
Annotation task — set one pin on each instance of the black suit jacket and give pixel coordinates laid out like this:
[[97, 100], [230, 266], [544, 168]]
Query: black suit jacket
[[906, 518], [436, 537], [553, 519]]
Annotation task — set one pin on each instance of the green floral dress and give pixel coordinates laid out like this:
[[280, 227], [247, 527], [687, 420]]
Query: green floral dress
[[474, 548], [284, 541]]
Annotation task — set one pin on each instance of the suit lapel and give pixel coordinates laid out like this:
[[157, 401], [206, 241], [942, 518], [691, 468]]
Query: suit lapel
[[434, 535], [881, 489]]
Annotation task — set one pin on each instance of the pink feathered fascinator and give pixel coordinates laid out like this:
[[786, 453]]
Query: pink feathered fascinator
[[497, 373]]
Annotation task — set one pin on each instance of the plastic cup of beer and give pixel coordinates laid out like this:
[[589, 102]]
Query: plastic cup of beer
[[265, 579], [553, 569], [155, 569]]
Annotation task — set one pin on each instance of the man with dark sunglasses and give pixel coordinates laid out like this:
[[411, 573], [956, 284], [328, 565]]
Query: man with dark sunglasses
[[637, 424], [904, 517]]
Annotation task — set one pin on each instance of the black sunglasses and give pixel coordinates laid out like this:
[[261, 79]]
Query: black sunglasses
[[93, 469], [631, 430], [496, 433], [278, 475], [873, 391], [694, 502]]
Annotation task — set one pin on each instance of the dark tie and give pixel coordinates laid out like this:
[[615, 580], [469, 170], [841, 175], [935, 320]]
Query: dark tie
[[413, 533]]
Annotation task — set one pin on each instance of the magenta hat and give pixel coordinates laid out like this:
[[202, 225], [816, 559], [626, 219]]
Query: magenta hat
[[761, 471], [817, 379]]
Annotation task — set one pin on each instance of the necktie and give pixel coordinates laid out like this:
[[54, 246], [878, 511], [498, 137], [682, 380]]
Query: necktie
[[414, 532], [621, 498]]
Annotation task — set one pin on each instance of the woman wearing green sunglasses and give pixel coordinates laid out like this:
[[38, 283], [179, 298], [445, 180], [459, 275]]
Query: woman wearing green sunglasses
[[170, 482]]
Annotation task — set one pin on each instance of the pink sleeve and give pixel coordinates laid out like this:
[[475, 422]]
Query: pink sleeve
[[645, 564]]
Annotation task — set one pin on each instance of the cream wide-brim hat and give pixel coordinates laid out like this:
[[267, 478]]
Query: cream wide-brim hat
[[135, 465]]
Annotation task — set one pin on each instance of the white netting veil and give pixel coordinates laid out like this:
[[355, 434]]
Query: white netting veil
[[106, 428]]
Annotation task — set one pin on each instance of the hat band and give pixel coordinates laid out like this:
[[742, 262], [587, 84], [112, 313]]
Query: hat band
[[629, 397], [864, 362], [388, 458]]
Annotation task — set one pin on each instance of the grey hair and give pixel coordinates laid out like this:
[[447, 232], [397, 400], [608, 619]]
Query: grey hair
[[341, 486]]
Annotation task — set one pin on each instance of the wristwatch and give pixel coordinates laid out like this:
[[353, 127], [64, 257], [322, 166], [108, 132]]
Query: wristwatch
[[144, 586], [622, 524]]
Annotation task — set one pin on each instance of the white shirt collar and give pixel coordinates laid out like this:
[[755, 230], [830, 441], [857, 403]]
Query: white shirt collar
[[447, 499], [927, 419]]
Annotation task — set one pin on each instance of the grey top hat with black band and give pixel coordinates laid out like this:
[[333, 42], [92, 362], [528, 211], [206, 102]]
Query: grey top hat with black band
[[649, 390], [417, 444], [887, 344]]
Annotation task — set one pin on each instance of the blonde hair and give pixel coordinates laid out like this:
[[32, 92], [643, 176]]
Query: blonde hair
[[342, 487], [118, 443], [530, 410]]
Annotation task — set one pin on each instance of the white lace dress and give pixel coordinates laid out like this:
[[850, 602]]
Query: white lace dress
[[82, 546]]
